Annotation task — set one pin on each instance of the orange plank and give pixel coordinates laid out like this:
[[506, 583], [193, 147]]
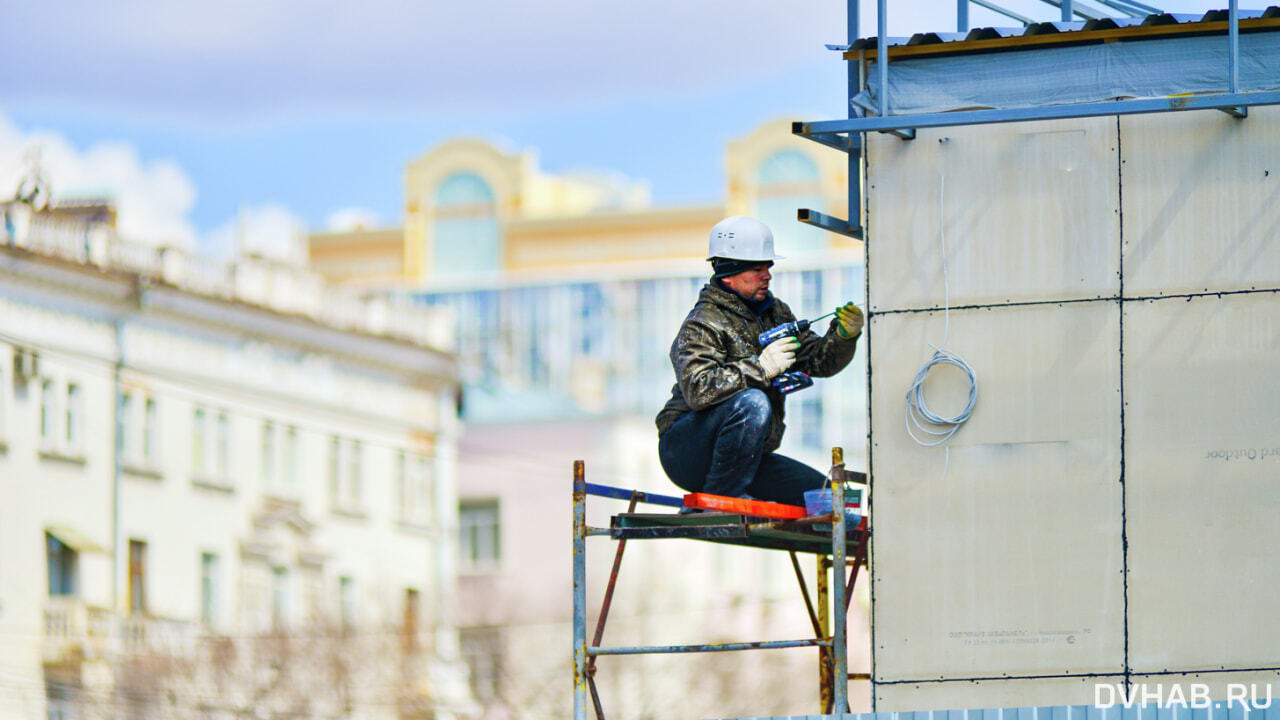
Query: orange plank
[[757, 508]]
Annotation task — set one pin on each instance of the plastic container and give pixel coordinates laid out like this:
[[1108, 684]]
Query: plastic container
[[818, 502]]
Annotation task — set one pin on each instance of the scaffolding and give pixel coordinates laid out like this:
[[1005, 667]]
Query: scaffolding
[[830, 537], [863, 58]]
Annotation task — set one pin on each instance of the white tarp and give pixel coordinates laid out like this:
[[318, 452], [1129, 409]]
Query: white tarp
[[1080, 73]]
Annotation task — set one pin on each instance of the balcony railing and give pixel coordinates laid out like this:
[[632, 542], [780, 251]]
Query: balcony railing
[[258, 281], [75, 631]]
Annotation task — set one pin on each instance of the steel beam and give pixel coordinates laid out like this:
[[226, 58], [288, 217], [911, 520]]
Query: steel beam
[[882, 54], [1139, 7], [987, 117], [714, 647], [844, 143], [829, 223], [644, 497], [1127, 10], [1003, 11], [1233, 37]]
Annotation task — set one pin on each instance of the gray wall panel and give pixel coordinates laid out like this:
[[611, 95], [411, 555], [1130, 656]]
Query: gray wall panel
[[1201, 202], [1005, 548], [1030, 211], [1202, 466]]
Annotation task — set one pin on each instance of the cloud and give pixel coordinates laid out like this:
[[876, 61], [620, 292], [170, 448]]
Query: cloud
[[153, 198], [268, 230], [247, 57], [351, 218]]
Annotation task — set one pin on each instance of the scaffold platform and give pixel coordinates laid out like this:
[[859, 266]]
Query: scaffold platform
[[836, 543]]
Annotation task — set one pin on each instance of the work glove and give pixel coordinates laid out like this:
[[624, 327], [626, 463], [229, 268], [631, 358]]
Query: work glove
[[778, 356], [849, 321]]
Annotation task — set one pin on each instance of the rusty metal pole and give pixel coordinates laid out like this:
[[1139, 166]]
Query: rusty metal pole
[[824, 625], [839, 538], [579, 591]]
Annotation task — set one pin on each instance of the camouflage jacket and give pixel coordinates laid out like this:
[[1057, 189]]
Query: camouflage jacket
[[716, 355]]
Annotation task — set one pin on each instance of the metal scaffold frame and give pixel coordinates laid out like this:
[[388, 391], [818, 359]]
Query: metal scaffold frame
[[847, 135], [800, 535]]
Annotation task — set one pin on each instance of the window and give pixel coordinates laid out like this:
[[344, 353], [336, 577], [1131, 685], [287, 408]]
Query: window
[[138, 429], [591, 319], [347, 602], [346, 476], [414, 488], [149, 421], [199, 441], [63, 567], [127, 424], [482, 652], [74, 416], [409, 628], [811, 421], [402, 483], [269, 478], [47, 400], [811, 296], [280, 598], [479, 536], [137, 576], [289, 463], [210, 443], [208, 588], [465, 234], [222, 447], [335, 470], [355, 481]]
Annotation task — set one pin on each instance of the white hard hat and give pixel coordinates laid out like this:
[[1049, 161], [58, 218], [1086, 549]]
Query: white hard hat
[[741, 238]]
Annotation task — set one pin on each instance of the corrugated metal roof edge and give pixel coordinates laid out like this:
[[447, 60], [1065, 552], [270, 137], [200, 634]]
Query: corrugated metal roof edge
[[1136, 27], [1237, 709]]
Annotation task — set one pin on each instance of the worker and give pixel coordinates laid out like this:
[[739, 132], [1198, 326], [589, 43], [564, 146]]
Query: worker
[[719, 431]]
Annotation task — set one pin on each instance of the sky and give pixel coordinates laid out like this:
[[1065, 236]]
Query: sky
[[246, 122]]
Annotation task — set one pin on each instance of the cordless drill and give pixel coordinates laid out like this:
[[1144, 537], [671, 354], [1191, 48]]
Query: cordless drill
[[795, 327], [789, 382]]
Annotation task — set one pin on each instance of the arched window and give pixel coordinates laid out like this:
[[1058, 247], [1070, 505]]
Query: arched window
[[787, 180], [465, 235]]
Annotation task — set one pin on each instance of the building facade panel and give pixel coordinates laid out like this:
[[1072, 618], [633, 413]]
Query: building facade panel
[[1200, 195], [1006, 542], [949, 201], [1201, 459]]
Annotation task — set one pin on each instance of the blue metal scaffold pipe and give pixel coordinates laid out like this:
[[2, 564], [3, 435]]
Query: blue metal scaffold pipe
[[882, 54], [579, 591], [1233, 32]]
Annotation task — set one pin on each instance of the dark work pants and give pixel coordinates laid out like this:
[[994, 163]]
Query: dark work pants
[[720, 450]]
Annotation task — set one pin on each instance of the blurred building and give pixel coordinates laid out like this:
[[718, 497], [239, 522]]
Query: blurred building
[[568, 290], [228, 491]]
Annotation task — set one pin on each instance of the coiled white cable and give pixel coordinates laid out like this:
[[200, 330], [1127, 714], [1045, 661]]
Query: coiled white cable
[[925, 420], [917, 413]]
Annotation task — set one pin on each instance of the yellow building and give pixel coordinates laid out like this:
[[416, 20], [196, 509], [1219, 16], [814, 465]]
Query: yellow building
[[475, 212], [567, 290]]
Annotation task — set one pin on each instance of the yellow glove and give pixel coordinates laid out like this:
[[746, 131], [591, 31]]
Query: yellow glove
[[849, 319]]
